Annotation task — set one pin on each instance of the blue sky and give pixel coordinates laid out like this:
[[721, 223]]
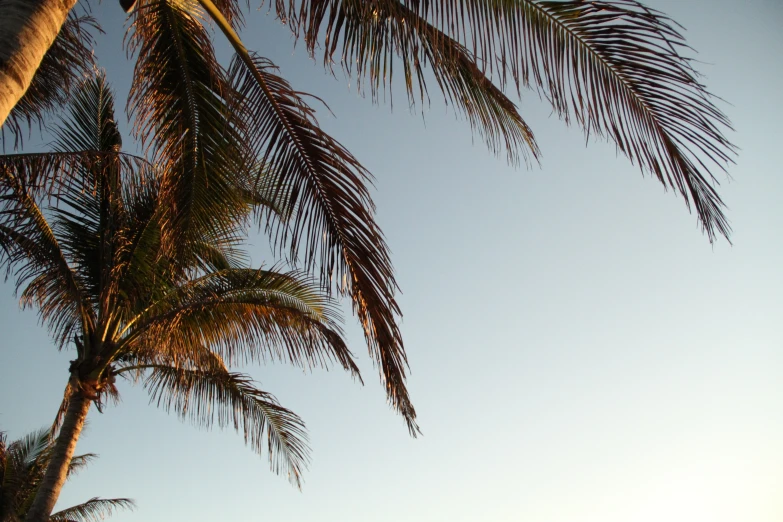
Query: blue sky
[[578, 349]]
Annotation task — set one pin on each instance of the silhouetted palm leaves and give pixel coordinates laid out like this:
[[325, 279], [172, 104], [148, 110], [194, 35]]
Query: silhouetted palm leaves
[[122, 262], [615, 67], [22, 465]]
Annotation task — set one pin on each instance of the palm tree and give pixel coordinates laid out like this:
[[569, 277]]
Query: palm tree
[[145, 277], [22, 465], [614, 67]]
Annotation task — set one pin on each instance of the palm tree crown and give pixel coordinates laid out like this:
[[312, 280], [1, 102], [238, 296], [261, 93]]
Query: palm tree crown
[[144, 276], [224, 139], [614, 67]]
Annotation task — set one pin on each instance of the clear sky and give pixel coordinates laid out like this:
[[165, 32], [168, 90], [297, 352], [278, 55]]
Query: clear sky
[[579, 351]]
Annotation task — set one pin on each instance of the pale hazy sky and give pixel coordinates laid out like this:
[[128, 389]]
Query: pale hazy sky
[[579, 351]]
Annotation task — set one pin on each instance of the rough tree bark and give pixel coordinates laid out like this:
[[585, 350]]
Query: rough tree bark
[[27, 30], [62, 453]]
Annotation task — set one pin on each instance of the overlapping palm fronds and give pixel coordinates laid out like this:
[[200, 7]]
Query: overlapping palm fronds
[[84, 233], [117, 251], [615, 67], [22, 465], [260, 118]]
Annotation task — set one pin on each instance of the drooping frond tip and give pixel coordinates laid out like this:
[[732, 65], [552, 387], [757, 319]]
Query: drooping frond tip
[[615, 67], [333, 226]]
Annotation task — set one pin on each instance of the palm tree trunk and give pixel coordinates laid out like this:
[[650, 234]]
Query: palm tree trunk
[[27, 30], [62, 453]]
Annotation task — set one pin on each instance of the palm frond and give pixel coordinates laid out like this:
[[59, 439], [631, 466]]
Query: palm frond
[[333, 223], [179, 103], [245, 314], [22, 466], [30, 447], [30, 250], [94, 510], [615, 67], [66, 62], [93, 223], [213, 395], [369, 34], [83, 188], [79, 462]]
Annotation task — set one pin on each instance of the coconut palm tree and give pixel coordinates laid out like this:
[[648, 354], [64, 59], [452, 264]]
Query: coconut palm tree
[[144, 276], [22, 465], [614, 67]]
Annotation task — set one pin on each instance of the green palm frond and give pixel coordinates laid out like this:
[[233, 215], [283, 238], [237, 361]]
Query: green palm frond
[[94, 510], [615, 67], [64, 65], [29, 448], [89, 124], [245, 314], [209, 396], [24, 461]]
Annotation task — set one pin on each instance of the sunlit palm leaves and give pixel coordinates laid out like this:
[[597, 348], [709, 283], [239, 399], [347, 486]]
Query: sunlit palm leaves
[[83, 232], [183, 98], [213, 395], [22, 464], [179, 102], [333, 227], [226, 140], [614, 67]]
